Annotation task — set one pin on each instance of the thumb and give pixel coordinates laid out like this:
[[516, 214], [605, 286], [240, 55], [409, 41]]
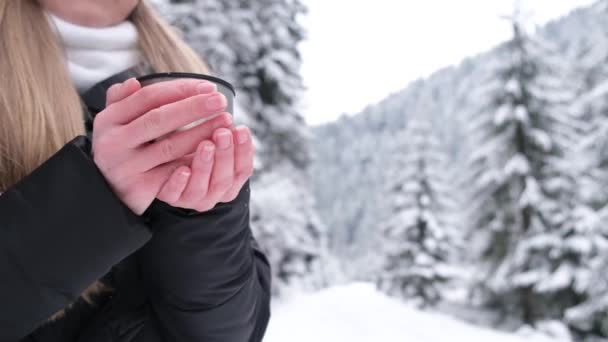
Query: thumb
[[119, 91]]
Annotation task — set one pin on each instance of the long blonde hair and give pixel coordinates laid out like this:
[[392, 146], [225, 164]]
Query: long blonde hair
[[40, 109]]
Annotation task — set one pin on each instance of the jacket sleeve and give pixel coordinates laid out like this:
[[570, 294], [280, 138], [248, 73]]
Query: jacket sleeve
[[205, 275], [61, 228]]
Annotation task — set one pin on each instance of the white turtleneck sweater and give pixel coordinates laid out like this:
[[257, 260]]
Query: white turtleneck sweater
[[96, 53]]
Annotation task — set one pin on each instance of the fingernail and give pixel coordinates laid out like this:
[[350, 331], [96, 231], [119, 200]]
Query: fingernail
[[185, 174], [207, 151], [131, 80], [125, 83], [206, 87], [242, 134], [223, 140], [222, 122], [229, 119], [216, 102]]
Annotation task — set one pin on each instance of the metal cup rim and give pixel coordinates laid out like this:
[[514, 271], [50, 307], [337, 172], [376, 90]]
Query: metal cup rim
[[187, 75]]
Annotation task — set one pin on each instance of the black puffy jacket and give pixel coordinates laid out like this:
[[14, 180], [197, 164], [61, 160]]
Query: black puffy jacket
[[176, 274]]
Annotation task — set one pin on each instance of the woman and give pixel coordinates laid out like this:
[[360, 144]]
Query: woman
[[115, 224]]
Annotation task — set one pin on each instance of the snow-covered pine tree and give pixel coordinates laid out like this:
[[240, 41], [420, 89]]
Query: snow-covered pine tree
[[592, 106], [591, 155], [418, 239], [522, 132], [589, 219], [253, 44], [591, 316], [287, 225]]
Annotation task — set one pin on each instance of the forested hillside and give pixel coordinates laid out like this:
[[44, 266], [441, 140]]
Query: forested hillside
[[491, 176]]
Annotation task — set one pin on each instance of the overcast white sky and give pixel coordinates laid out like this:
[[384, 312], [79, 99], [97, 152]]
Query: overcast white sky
[[360, 51]]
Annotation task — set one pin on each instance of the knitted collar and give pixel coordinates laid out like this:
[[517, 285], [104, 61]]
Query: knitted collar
[[96, 53]]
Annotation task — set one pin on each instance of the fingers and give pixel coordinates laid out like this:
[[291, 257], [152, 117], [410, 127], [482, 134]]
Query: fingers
[[145, 188], [172, 190], [170, 117], [218, 174], [243, 161], [202, 166], [159, 175], [154, 96], [120, 91], [175, 145], [223, 167], [219, 169]]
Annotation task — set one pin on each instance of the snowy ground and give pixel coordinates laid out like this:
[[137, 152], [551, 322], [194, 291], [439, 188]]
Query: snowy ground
[[358, 313]]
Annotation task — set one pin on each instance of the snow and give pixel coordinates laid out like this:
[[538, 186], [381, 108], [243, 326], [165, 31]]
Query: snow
[[517, 165], [560, 279], [359, 313]]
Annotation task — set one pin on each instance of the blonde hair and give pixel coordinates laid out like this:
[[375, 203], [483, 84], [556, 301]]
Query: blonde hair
[[40, 109]]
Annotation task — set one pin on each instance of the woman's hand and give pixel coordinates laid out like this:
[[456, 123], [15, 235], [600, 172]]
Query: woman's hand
[[218, 171], [124, 144]]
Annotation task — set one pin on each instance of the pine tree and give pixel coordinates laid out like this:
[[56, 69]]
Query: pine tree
[[286, 223], [591, 155], [592, 106], [418, 239], [589, 217], [522, 189]]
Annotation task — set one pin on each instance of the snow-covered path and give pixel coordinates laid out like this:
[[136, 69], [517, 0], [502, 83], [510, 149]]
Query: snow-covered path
[[358, 313]]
